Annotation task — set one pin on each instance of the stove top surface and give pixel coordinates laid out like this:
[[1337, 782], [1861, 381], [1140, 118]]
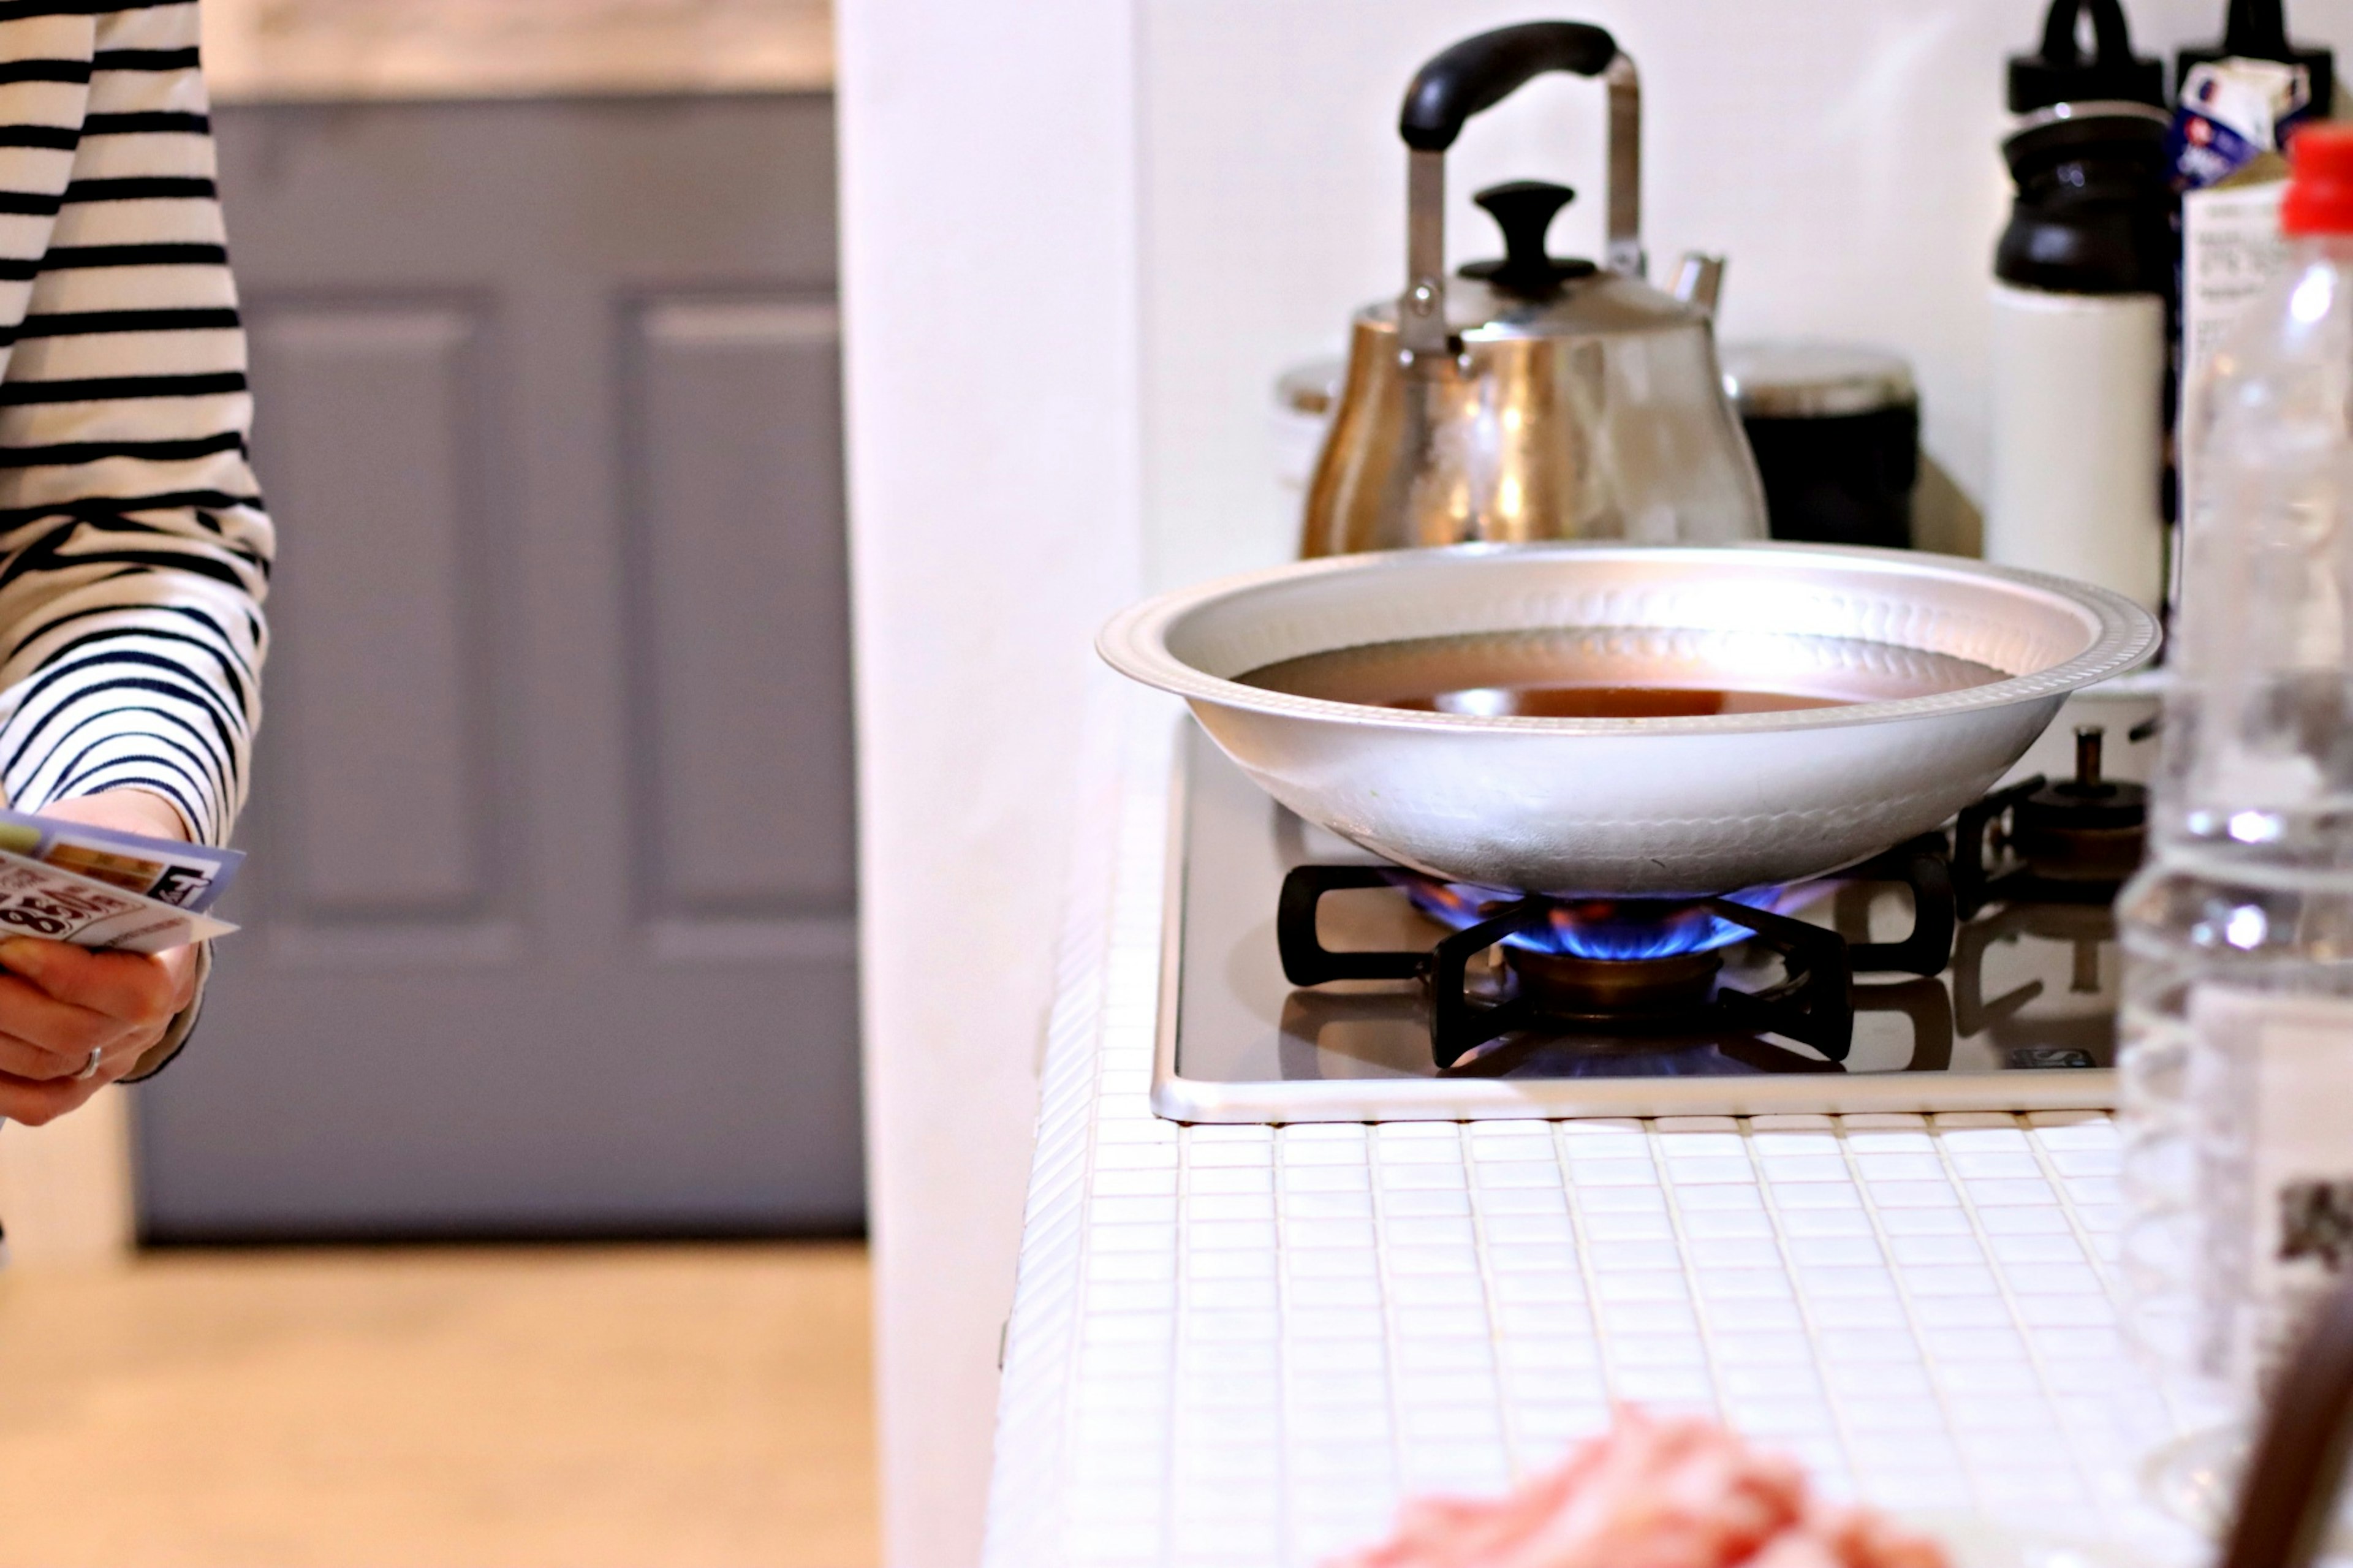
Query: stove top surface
[[2021, 1019]]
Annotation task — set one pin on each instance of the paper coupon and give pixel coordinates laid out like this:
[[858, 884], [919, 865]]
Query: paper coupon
[[185, 875], [37, 898]]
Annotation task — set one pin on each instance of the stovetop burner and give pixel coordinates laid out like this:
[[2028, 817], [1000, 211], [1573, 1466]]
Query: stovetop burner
[[1568, 985], [2074, 842], [1642, 967], [1305, 980]]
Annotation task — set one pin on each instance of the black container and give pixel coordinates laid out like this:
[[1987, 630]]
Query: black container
[[1836, 431], [2061, 72], [2094, 211]]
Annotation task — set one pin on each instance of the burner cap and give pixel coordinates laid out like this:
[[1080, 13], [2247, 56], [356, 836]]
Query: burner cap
[[1563, 983], [2083, 829]]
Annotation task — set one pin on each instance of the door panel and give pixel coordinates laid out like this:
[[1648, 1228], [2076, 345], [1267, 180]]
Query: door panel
[[551, 905], [738, 564], [383, 787]]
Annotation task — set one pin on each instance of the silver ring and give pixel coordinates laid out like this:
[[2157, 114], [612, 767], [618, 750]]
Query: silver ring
[[89, 1068]]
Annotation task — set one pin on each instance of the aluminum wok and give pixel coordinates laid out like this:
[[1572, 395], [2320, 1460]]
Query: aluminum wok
[[1636, 807]]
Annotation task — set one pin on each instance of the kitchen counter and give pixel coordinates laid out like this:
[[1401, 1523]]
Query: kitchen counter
[[1245, 1345]]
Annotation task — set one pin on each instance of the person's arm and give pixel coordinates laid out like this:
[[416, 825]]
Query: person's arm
[[134, 545]]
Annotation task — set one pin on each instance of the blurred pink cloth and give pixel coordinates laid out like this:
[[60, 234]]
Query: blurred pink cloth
[[1651, 1494]]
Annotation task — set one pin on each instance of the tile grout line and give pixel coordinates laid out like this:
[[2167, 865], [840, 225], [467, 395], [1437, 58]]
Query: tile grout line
[[1082, 1292], [1911, 1311], [1700, 1312], [1146, 814], [1581, 1238], [1179, 1341], [2112, 1283], [2110, 1280], [1807, 1325], [2018, 1324], [1286, 1390], [1083, 970], [1389, 1307], [1508, 1407]]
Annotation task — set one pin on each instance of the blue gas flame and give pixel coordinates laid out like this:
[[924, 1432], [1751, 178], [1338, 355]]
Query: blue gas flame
[[1598, 928]]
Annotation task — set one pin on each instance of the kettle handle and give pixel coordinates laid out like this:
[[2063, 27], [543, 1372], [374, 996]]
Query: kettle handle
[[1481, 72], [1477, 74]]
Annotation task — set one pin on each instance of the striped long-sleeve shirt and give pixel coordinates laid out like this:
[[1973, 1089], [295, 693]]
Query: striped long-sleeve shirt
[[134, 546]]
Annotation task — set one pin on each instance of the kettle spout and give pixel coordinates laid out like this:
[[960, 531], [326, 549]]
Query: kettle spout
[[1699, 278]]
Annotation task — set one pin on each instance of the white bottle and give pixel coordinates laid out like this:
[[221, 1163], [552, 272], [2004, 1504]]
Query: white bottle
[[2078, 438], [2237, 1031], [2080, 335]]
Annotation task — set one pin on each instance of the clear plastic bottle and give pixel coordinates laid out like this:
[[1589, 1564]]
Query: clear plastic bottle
[[2237, 1032]]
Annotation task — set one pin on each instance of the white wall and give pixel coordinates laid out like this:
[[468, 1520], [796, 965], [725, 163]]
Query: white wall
[[988, 275], [1080, 239], [1843, 152]]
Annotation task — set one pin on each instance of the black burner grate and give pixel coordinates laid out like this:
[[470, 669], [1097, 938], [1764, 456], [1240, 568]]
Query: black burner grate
[[2072, 842], [1812, 1003]]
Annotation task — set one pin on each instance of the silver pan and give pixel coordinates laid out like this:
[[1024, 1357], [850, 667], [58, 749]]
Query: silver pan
[[1666, 808]]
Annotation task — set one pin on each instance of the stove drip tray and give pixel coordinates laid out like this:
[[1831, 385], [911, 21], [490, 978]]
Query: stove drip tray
[[1637, 968]]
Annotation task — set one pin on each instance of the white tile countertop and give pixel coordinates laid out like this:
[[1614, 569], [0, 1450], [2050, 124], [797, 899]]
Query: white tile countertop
[[1246, 1345]]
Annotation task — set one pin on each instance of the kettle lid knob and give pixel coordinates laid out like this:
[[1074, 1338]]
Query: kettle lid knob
[[1524, 210]]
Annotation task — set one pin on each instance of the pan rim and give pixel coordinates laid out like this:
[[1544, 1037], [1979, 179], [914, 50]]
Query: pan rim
[[2125, 637]]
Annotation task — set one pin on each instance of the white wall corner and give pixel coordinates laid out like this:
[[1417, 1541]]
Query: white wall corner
[[989, 283]]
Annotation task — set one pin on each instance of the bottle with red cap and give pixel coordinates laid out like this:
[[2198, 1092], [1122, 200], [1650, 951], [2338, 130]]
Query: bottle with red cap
[[2320, 199], [2236, 1049]]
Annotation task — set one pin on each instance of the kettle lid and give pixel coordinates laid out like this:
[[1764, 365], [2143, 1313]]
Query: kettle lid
[[1524, 210], [1529, 292]]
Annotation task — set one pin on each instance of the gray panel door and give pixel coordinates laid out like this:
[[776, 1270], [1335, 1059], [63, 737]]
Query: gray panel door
[[551, 908]]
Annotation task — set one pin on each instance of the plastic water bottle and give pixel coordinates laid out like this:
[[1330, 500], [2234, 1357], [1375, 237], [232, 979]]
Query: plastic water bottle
[[2237, 1032]]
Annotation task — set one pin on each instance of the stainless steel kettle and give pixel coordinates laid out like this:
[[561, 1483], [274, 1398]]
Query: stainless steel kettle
[[1535, 397]]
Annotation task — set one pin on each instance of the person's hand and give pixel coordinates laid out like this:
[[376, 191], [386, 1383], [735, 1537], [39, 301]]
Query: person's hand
[[60, 1003]]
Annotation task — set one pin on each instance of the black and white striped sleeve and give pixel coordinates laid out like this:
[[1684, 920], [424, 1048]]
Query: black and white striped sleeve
[[135, 551]]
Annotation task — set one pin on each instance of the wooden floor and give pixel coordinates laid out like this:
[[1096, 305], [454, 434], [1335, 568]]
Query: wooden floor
[[451, 1407]]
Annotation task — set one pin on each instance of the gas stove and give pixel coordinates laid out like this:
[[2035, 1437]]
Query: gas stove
[[1306, 980]]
